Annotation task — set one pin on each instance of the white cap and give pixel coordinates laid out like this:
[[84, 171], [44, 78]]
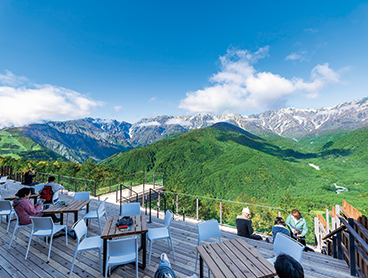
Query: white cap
[[246, 210]]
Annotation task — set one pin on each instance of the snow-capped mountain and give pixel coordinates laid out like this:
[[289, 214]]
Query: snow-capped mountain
[[98, 138]]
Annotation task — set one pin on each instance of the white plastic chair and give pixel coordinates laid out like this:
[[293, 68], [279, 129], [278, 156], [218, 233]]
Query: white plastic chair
[[16, 228], [85, 243], [97, 214], [44, 227], [6, 209], [3, 183], [122, 251], [39, 187], [286, 245], [54, 200], [84, 195], [206, 230], [161, 233], [130, 209]]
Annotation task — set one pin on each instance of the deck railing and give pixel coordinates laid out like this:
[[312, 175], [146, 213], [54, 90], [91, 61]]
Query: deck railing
[[225, 211], [346, 238]]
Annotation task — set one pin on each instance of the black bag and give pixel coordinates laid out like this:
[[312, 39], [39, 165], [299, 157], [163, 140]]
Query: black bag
[[126, 220]]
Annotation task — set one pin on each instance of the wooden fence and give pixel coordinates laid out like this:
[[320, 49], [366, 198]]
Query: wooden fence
[[345, 237]]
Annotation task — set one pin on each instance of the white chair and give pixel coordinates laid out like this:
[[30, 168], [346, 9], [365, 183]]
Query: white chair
[[6, 209], [161, 233], [84, 195], [286, 245], [122, 251], [3, 183], [130, 209], [39, 187], [97, 214], [16, 228], [44, 227], [85, 243], [55, 199], [206, 230]]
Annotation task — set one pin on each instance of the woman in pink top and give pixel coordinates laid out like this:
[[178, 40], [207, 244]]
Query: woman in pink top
[[24, 207]]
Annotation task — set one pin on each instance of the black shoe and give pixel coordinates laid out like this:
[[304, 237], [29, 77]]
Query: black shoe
[[56, 220]]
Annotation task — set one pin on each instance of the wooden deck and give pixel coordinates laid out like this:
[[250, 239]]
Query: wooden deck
[[184, 234]]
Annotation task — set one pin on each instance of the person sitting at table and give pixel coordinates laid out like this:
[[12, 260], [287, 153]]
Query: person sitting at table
[[49, 189], [297, 225], [24, 207], [28, 177], [244, 225], [287, 267], [280, 227], [55, 186]]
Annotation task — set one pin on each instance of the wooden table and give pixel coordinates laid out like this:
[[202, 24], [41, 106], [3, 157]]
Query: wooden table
[[110, 231], [33, 196], [73, 207], [234, 258]]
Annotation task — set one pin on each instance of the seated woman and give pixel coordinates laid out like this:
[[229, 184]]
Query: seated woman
[[244, 225], [280, 227], [24, 207], [298, 226]]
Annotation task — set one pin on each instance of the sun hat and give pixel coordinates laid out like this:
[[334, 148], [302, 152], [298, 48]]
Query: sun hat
[[246, 210]]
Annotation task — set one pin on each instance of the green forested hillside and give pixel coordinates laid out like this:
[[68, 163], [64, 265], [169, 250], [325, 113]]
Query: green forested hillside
[[14, 145], [223, 161]]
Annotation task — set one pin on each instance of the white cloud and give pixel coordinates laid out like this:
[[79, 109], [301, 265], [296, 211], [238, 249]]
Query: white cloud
[[11, 80], [21, 105], [155, 123], [152, 99], [311, 30], [238, 87], [118, 108], [301, 56], [178, 122]]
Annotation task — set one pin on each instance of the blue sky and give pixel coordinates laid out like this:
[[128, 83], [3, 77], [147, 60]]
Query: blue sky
[[129, 60]]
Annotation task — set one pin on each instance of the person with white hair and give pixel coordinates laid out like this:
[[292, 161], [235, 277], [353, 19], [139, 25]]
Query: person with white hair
[[244, 225]]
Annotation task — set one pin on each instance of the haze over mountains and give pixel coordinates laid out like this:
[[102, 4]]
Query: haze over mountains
[[77, 140]]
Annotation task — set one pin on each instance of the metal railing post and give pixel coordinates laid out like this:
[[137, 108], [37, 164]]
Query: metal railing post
[[220, 213], [197, 207], [150, 205], [158, 205], [121, 205], [183, 213], [177, 204]]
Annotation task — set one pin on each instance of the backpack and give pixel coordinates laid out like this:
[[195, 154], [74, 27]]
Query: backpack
[[47, 193]]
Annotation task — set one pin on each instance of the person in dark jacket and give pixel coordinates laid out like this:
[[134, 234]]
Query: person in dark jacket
[[28, 177], [244, 225], [280, 227], [287, 267]]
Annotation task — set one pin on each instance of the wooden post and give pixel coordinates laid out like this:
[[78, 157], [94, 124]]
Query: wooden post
[[327, 221], [220, 213], [197, 208], [317, 233], [353, 271]]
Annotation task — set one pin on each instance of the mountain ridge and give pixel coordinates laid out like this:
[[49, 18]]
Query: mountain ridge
[[79, 139]]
